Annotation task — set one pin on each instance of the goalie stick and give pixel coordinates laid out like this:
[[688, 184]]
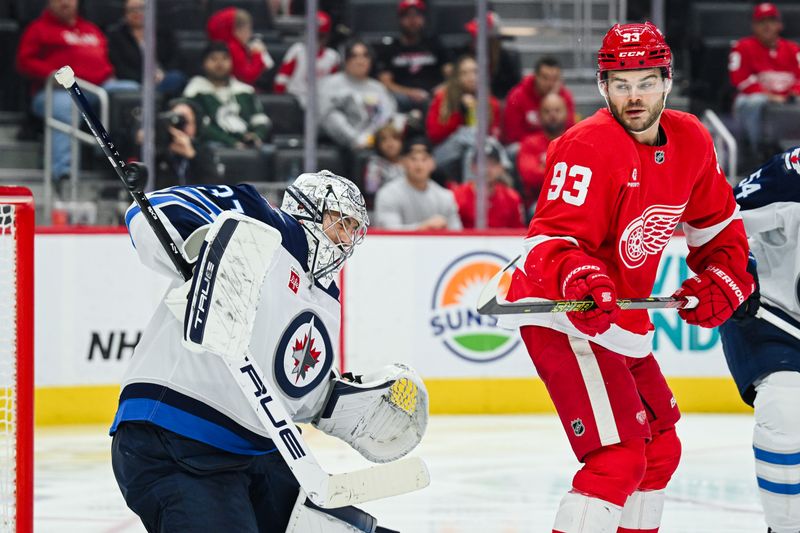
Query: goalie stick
[[324, 489], [491, 303], [132, 175]]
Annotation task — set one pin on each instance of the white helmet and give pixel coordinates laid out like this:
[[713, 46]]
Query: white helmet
[[308, 199]]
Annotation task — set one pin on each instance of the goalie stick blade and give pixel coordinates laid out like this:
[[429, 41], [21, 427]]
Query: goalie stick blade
[[376, 482]]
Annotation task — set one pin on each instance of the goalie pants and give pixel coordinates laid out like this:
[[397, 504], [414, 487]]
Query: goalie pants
[[178, 484], [610, 405]]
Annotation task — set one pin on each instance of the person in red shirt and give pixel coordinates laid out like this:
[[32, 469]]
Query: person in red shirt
[[452, 118], [617, 185], [234, 27], [522, 112], [291, 77], [504, 203], [56, 38], [531, 162], [763, 68]]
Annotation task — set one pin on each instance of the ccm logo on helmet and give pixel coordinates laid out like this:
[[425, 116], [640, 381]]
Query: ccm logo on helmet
[[631, 54]]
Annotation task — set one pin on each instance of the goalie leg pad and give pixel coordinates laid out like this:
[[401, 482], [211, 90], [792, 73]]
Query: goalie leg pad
[[383, 418], [309, 518], [226, 287]]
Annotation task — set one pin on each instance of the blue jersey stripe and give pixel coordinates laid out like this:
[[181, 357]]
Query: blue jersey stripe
[[199, 196], [790, 489], [183, 423], [163, 200], [776, 458]]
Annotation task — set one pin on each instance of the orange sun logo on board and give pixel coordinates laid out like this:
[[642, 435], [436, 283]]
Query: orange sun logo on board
[[454, 319]]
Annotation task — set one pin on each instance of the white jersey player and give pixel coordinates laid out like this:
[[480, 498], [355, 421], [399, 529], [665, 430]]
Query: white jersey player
[[189, 452], [764, 360]]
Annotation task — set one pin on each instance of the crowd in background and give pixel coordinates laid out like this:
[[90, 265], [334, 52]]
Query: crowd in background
[[402, 112]]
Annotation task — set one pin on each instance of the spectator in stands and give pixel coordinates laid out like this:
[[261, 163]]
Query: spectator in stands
[[232, 115], [291, 77], [554, 116], [452, 118], [412, 64], [384, 165], [522, 115], [181, 158], [763, 68], [353, 106], [505, 69], [234, 27], [56, 38], [125, 43], [416, 202], [504, 208]]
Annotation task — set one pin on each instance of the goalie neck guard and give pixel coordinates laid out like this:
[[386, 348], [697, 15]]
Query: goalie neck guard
[[309, 199]]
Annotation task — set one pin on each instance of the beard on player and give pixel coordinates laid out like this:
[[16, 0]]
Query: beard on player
[[636, 116]]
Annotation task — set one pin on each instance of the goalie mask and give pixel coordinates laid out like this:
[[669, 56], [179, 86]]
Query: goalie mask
[[333, 214]]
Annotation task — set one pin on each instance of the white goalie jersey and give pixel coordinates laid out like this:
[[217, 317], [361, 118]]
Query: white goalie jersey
[[294, 341]]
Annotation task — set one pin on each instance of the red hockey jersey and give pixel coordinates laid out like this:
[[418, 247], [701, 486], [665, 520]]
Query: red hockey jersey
[[618, 201], [754, 68]]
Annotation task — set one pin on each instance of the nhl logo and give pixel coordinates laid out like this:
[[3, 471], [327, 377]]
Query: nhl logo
[[659, 156], [577, 427]]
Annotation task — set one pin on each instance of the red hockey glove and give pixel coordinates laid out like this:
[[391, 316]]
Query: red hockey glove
[[719, 293], [586, 278]]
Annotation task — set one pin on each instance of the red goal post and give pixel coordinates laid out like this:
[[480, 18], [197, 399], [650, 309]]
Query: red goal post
[[16, 359]]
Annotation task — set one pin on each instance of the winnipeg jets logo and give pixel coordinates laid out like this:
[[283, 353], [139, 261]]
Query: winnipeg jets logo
[[648, 233], [304, 355]]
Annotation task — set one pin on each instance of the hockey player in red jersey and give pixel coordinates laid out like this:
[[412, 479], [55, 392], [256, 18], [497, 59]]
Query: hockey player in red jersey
[[617, 185]]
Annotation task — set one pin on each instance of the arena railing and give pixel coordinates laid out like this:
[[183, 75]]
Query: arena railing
[[725, 144], [76, 136]]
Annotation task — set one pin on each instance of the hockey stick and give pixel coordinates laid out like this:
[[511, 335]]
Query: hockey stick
[[778, 322], [490, 303], [325, 490], [132, 175]]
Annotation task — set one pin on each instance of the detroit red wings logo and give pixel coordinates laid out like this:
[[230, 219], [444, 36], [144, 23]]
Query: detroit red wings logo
[[648, 234]]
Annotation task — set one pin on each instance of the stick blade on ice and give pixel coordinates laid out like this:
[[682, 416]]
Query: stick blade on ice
[[376, 482]]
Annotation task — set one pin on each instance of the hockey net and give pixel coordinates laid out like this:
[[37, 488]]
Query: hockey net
[[16, 359]]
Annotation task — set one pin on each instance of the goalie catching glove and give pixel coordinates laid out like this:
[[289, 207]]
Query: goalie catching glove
[[382, 415]]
